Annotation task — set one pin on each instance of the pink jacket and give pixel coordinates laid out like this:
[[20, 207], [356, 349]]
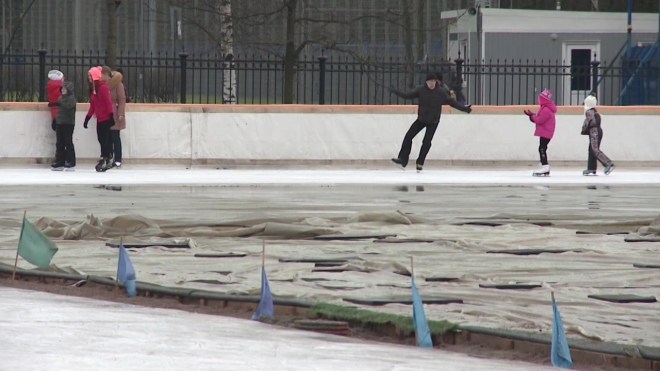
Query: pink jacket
[[545, 118]]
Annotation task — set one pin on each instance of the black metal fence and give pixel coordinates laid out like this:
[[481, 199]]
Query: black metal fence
[[183, 78]]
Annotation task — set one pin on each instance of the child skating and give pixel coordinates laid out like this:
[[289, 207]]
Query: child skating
[[65, 120], [545, 128], [591, 127], [100, 104], [55, 80]]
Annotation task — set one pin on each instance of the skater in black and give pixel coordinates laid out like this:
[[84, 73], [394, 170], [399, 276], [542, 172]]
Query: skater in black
[[591, 127], [431, 96], [65, 119]]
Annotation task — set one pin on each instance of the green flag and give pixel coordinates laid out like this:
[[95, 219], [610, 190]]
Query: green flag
[[34, 246]]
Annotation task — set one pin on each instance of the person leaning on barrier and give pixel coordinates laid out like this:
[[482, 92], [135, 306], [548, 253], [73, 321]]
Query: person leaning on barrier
[[114, 79]]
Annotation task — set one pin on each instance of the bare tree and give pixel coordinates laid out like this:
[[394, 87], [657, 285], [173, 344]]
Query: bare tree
[[111, 52], [287, 27], [16, 19], [215, 20], [227, 51]]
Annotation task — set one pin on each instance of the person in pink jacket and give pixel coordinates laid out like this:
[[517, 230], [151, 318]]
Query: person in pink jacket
[[545, 128]]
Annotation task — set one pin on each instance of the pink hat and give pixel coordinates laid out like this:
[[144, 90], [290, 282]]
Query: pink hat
[[546, 95], [95, 72]]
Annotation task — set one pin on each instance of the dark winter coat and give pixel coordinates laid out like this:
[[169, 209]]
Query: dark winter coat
[[430, 102], [66, 113], [591, 120]]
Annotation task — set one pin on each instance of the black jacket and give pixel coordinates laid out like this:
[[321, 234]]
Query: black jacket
[[430, 102]]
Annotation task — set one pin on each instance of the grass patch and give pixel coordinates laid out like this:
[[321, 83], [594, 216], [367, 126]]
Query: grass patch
[[368, 317]]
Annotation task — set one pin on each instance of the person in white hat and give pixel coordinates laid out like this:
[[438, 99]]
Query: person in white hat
[[55, 80], [591, 127]]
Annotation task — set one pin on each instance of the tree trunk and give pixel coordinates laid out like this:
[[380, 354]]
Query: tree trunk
[[291, 55], [227, 50], [421, 29], [111, 48], [408, 40]]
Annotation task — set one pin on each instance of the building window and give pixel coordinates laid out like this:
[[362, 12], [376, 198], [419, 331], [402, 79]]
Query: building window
[[581, 69]]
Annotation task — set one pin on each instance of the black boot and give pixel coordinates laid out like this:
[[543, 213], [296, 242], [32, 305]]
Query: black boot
[[57, 166], [103, 165], [399, 163]]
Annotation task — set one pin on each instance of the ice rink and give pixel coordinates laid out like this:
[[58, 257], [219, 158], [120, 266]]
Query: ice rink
[[463, 213], [151, 175], [50, 332]]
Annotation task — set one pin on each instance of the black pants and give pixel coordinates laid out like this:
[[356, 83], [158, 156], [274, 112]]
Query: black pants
[[543, 150], [103, 135], [406, 146], [64, 151], [115, 141], [595, 154]]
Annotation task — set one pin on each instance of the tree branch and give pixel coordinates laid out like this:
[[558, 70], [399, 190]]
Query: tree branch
[[13, 32]]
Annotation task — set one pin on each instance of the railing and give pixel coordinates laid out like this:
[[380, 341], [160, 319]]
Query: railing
[[183, 78]]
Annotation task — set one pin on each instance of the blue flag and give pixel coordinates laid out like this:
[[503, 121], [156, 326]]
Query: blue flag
[[265, 307], [560, 355], [126, 272], [419, 319]]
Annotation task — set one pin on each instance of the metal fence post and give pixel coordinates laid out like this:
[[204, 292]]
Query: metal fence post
[[322, 60], [594, 75], [184, 84], [42, 75], [459, 68]]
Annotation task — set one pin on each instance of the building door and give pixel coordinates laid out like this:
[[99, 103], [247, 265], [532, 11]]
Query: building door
[[577, 78]]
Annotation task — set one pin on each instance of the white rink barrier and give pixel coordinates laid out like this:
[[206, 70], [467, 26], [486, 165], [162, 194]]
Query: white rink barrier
[[250, 134]]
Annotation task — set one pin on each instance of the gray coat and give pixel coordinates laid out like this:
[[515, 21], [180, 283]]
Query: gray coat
[[66, 112]]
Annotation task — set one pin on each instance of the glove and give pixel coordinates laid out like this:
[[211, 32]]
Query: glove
[[53, 125], [86, 122], [468, 108], [53, 104], [528, 112]]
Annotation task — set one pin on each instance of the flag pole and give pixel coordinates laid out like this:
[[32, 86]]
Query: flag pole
[[121, 243], [263, 253], [412, 278], [13, 275]]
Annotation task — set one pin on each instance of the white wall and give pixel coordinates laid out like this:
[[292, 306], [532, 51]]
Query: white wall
[[348, 134]]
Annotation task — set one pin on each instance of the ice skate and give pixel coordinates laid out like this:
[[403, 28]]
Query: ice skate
[[103, 165], [57, 166], [543, 171], [116, 164], [399, 163], [419, 168], [69, 167], [608, 169], [589, 172]]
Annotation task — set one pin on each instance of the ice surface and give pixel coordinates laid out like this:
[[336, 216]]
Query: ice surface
[[179, 176], [49, 332]]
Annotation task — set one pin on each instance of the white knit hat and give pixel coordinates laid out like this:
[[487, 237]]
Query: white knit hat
[[590, 102], [55, 75]]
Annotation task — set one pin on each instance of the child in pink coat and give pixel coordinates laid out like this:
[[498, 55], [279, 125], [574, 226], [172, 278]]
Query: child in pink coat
[[545, 128]]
